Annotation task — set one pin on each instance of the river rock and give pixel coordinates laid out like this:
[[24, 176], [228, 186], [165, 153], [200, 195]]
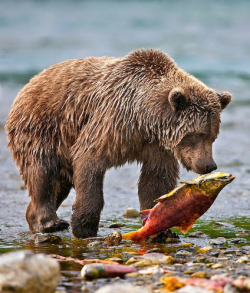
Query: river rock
[[26, 272], [131, 213], [46, 238], [158, 258], [122, 288], [197, 234], [193, 289], [218, 241], [113, 239]]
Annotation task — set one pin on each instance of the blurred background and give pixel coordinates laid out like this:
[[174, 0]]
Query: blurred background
[[209, 39]]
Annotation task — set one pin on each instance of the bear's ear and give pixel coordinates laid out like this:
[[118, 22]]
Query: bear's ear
[[177, 99], [225, 99]]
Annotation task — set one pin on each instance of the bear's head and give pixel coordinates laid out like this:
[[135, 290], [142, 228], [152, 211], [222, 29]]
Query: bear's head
[[196, 112]]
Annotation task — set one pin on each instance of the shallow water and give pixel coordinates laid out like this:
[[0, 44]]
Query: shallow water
[[210, 39]]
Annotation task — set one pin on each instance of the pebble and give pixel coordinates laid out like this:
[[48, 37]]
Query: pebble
[[128, 255], [187, 244], [153, 250], [158, 258], [113, 239], [94, 244], [229, 288], [24, 272], [122, 288], [183, 252], [243, 259], [197, 234], [204, 249], [214, 253], [246, 247], [217, 266], [43, 238], [218, 241], [116, 225], [131, 213], [199, 275], [230, 251], [193, 289], [189, 272], [238, 240], [224, 224]]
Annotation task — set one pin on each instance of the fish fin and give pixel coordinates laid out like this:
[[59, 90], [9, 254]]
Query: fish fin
[[135, 236], [144, 216], [168, 195], [187, 225]]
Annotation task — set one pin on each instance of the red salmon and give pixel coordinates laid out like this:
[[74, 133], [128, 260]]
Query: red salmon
[[182, 206]]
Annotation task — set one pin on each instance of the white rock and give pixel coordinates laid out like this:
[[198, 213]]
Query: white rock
[[122, 288], [24, 271]]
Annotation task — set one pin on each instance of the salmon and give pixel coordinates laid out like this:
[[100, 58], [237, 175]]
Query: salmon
[[182, 206]]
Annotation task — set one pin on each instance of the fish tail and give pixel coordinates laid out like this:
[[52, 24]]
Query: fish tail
[[135, 236]]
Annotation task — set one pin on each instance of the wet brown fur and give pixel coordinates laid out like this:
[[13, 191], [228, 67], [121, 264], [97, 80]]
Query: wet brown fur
[[78, 118]]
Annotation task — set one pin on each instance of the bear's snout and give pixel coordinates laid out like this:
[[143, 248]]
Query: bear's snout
[[211, 167], [203, 167]]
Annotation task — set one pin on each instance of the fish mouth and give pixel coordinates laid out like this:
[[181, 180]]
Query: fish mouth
[[227, 178]]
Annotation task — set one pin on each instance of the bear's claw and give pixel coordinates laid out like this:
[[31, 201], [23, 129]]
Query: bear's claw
[[54, 226]]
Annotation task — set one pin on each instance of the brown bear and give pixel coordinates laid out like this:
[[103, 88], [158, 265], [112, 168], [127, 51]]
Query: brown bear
[[78, 118]]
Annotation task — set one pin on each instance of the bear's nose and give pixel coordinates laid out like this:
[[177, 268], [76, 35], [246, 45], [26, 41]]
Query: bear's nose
[[211, 167]]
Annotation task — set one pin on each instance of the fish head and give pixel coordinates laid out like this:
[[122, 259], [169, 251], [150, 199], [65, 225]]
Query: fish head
[[211, 184]]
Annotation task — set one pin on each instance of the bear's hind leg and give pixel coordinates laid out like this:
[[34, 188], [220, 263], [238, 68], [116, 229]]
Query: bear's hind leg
[[41, 211], [62, 188]]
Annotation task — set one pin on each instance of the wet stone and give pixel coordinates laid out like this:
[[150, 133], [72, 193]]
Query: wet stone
[[199, 275], [153, 250], [183, 252], [158, 258], [243, 259], [237, 240], [217, 266], [204, 249], [122, 288], [224, 224], [229, 288], [113, 239], [43, 238], [218, 241], [190, 249], [26, 272], [95, 244], [116, 225], [214, 253], [245, 247], [131, 213], [193, 289], [197, 234], [230, 251]]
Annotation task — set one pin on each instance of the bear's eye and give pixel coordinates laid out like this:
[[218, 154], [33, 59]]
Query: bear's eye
[[194, 136]]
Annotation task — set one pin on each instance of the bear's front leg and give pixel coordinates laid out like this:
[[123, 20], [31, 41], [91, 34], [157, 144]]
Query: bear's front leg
[[88, 181], [159, 174]]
